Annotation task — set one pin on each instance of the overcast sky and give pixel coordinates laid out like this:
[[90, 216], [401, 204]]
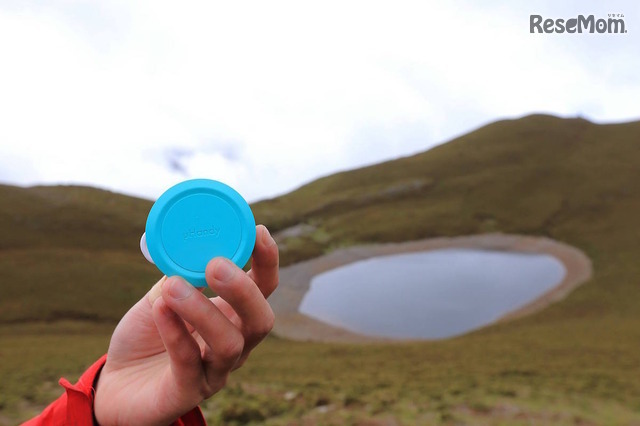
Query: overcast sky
[[135, 96]]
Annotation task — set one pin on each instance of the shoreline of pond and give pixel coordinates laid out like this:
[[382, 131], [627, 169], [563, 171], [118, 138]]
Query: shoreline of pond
[[295, 279]]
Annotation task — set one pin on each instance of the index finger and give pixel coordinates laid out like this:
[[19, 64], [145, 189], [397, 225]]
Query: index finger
[[265, 262]]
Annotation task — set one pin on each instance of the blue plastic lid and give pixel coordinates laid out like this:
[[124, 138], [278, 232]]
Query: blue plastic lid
[[195, 221]]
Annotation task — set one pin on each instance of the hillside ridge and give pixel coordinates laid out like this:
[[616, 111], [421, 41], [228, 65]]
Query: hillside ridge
[[566, 179]]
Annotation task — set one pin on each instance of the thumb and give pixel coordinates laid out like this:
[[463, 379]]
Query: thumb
[[156, 290]]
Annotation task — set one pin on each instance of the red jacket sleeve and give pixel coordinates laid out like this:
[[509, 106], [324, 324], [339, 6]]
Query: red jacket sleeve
[[75, 406]]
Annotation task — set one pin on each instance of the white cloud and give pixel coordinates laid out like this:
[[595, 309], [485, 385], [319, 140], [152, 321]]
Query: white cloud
[[268, 95]]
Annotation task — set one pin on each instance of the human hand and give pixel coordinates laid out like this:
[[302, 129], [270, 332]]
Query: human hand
[[176, 348]]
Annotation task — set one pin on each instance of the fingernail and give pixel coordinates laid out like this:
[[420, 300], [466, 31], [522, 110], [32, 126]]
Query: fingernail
[[224, 271], [180, 289], [267, 239], [156, 290]]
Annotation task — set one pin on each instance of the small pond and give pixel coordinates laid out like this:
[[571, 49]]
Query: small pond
[[429, 295]]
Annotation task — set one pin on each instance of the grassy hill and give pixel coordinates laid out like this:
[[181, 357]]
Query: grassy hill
[[71, 254], [76, 245], [539, 175]]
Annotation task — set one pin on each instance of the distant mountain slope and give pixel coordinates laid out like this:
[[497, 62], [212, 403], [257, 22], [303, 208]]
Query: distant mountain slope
[[69, 216], [540, 174], [69, 252], [72, 252]]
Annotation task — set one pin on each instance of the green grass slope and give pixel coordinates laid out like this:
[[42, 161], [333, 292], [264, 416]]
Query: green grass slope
[[71, 217], [565, 178], [72, 253]]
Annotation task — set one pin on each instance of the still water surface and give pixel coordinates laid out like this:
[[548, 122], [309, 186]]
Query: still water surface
[[429, 295]]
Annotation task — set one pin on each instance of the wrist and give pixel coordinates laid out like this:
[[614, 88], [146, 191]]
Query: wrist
[[101, 407], [94, 386]]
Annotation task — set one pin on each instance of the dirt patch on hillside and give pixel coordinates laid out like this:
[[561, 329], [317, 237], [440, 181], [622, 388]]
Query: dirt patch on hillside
[[295, 279]]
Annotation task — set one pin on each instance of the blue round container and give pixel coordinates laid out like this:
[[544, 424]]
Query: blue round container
[[195, 221]]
